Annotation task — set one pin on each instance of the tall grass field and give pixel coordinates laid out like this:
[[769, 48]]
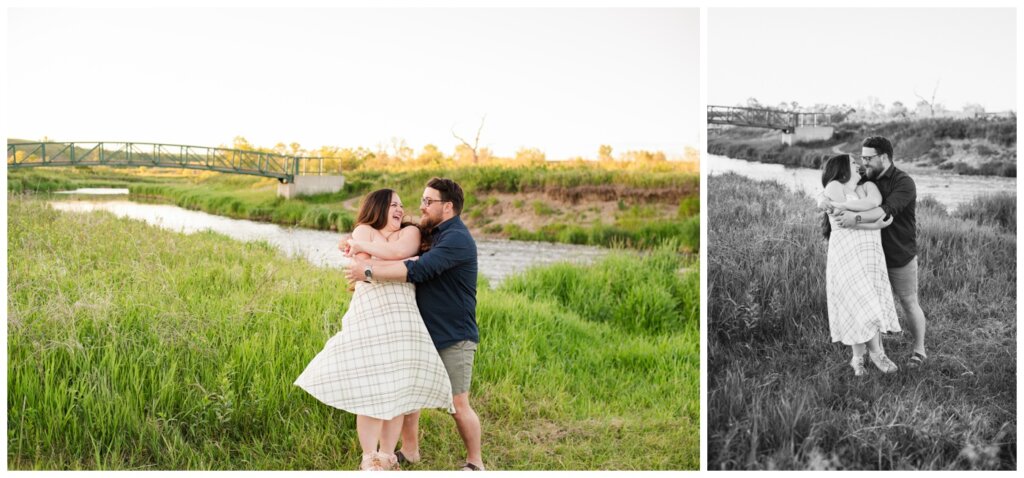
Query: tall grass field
[[132, 347], [782, 395]]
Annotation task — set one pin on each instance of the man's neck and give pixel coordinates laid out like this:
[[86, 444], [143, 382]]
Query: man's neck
[[444, 221], [885, 170]]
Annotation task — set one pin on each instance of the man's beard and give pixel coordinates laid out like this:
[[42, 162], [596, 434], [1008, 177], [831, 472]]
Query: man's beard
[[870, 172], [427, 223]]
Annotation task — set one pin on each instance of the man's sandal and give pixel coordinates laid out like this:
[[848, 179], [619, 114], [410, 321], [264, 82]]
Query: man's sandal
[[470, 467], [916, 361], [403, 459]]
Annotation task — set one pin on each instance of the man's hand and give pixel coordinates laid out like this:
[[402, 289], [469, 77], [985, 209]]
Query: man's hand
[[845, 218], [355, 271]]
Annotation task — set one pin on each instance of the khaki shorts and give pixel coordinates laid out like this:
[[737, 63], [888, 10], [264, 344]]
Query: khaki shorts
[[904, 279], [458, 361]]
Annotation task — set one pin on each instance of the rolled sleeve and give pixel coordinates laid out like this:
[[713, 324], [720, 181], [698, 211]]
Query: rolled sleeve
[[442, 256], [904, 193]]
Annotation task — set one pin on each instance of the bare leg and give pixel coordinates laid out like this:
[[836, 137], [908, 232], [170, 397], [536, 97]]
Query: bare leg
[[411, 437], [915, 320], [858, 349], [875, 344], [389, 434], [468, 424], [857, 362], [369, 430]]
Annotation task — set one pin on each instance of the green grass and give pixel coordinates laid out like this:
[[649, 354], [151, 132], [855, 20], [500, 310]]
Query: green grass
[[542, 208], [684, 233], [781, 395], [131, 347], [47, 180]]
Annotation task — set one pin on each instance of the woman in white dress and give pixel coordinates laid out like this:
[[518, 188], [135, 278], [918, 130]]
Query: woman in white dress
[[383, 364], [860, 301]]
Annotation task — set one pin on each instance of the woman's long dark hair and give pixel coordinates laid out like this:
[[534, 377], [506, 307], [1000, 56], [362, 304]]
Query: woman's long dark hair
[[837, 168], [374, 212]]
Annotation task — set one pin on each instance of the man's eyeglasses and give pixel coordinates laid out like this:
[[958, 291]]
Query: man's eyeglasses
[[430, 201], [869, 158]]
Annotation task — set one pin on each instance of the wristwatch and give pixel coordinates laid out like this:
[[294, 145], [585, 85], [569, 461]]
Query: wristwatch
[[858, 219], [368, 272]]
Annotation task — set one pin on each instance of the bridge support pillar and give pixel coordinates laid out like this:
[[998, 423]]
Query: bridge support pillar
[[805, 134], [306, 185]]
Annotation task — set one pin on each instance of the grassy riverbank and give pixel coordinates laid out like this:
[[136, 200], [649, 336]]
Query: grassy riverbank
[[578, 203], [782, 396], [131, 347], [962, 146]]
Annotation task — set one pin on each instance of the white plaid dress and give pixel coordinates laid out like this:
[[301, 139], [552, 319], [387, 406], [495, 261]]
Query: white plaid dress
[[860, 301], [382, 364]]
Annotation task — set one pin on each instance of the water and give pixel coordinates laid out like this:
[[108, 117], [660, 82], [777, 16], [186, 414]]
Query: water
[[497, 258], [950, 190], [97, 191]]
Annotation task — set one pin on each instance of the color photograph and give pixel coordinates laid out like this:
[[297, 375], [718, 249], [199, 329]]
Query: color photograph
[[353, 239]]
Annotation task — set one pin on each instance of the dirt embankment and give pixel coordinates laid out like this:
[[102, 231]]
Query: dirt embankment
[[582, 206]]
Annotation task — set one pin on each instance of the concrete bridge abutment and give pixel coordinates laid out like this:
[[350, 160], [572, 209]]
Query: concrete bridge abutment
[[307, 185], [806, 134]]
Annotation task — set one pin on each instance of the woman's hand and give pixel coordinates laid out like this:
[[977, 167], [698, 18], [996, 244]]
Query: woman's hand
[[343, 244], [355, 247]]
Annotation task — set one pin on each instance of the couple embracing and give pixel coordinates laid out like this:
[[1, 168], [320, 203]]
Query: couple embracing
[[409, 336], [871, 227]]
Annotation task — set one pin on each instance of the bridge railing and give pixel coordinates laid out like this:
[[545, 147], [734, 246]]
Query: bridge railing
[[764, 117], [257, 163]]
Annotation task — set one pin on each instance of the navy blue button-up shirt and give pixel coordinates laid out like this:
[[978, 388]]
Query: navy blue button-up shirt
[[445, 278]]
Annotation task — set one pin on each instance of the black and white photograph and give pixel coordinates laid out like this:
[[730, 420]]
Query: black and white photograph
[[861, 287]]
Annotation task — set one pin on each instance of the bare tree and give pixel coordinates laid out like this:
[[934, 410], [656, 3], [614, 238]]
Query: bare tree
[[931, 103], [476, 141]]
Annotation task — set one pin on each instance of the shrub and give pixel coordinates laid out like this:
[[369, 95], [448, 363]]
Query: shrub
[[997, 210]]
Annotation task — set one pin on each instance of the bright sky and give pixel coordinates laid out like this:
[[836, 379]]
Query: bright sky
[[840, 56], [561, 80]]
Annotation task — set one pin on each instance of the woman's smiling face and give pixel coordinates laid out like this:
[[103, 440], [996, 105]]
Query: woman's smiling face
[[854, 173], [395, 213]]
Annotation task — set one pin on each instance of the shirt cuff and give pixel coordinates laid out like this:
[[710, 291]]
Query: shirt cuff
[[410, 268]]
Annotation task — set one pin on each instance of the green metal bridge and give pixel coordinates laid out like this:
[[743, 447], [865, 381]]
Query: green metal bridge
[[282, 167]]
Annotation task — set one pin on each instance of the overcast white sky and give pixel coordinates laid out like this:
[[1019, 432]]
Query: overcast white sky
[[844, 55], [562, 80]]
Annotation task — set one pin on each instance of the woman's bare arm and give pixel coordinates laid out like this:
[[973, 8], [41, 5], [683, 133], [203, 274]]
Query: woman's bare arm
[[834, 192], [879, 224], [362, 233], [407, 245], [871, 200]]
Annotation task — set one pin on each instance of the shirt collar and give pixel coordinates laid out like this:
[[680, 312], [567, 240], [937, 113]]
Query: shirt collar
[[891, 170], [444, 226]]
